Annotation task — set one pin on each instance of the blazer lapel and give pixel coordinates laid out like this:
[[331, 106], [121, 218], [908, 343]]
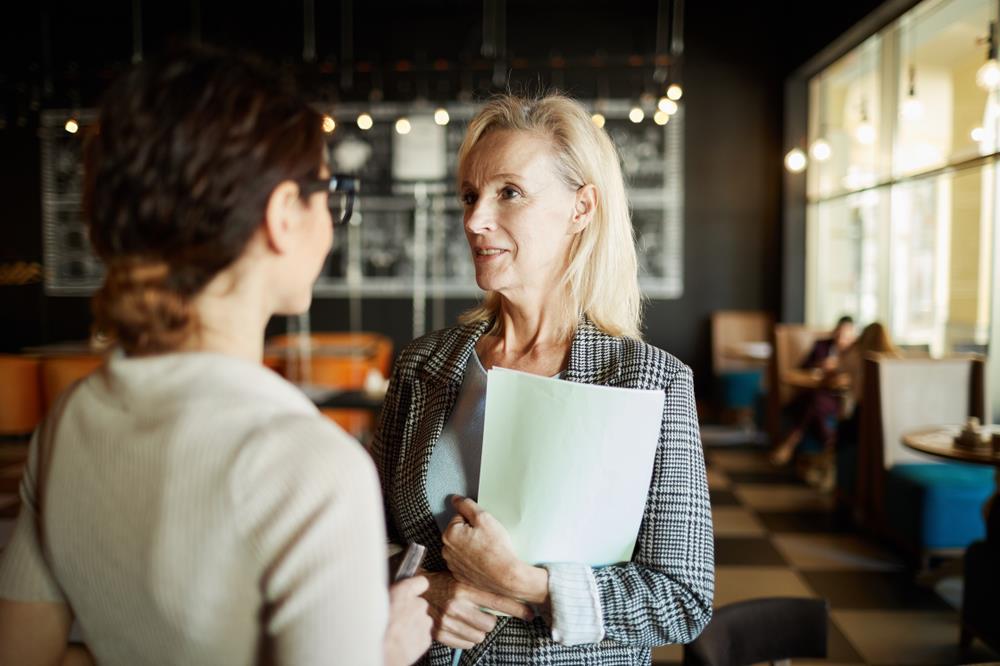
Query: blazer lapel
[[435, 394]]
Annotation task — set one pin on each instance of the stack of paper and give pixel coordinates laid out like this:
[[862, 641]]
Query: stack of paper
[[566, 466]]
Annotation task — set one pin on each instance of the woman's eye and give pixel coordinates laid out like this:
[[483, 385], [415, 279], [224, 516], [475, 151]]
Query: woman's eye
[[509, 193], [468, 198]]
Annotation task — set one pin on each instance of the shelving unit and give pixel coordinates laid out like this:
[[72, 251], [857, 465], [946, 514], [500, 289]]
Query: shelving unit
[[406, 238]]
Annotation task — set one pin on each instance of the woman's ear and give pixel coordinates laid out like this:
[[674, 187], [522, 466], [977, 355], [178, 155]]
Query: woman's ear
[[282, 216], [584, 208]]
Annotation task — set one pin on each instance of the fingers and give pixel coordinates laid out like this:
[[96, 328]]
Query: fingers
[[503, 604], [466, 508], [412, 587], [453, 641], [461, 624]]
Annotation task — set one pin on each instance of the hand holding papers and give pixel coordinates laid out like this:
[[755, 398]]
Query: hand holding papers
[[566, 466]]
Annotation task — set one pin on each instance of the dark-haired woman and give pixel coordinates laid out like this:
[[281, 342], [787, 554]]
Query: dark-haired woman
[[185, 504]]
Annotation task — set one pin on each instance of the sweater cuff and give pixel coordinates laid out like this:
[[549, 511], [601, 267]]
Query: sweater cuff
[[574, 604]]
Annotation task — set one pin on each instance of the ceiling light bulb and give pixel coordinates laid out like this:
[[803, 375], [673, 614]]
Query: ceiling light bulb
[[988, 75], [365, 121], [402, 126], [795, 160], [978, 134], [441, 116], [661, 117], [865, 133], [598, 120], [329, 124], [820, 150], [913, 108], [72, 126], [636, 115], [667, 105], [675, 92]]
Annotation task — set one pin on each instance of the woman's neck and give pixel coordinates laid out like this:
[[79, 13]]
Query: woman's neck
[[523, 329], [232, 316], [533, 339]]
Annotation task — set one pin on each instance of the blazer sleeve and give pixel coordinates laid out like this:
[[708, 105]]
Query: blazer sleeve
[[664, 595], [386, 441]]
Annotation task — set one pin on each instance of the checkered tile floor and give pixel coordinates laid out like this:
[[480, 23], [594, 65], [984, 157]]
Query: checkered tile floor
[[775, 536]]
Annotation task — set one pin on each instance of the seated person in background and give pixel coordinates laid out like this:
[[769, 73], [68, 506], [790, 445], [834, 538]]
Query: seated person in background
[[874, 339], [184, 503], [817, 409]]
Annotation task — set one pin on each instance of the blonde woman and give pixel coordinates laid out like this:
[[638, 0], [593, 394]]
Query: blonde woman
[[547, 221]]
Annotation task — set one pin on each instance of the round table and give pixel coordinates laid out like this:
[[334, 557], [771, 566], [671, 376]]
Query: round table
[[940, 441]]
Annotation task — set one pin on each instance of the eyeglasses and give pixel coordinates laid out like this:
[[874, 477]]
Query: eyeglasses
[[347, 186]]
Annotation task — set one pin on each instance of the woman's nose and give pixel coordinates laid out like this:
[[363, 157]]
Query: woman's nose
[[480, 218]]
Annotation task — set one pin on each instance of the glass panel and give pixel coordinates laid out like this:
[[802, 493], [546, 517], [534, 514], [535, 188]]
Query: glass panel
[[943, 115], [941, 261], [847, 119], [846, 264]]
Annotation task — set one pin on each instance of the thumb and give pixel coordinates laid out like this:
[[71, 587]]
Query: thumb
[[466, 508], [411, 587]]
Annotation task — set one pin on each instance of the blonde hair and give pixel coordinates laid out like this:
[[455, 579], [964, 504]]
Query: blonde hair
[[602, 279]]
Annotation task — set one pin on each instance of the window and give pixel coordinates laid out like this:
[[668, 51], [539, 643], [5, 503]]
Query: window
[[902, 183]]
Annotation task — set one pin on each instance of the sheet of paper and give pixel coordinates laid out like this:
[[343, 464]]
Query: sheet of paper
[[566, 466]]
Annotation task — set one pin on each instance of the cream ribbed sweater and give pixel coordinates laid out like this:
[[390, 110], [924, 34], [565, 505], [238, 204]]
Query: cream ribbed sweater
[[194, 508]]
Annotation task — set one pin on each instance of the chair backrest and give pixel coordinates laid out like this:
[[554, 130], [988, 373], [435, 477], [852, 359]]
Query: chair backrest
[[918, 392], [20, 395], [732, 327], [761, 630], [792, 344]]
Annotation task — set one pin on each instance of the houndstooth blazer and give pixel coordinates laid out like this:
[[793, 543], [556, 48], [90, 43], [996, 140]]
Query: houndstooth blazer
[[663, 595]]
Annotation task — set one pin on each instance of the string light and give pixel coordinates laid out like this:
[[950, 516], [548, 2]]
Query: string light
[[72, 126], [667, 105], [675, 92], [636, 115], [441, 116], [329, 124], [402, 126], [598, 120], [820, 150], [365, 121], [795, 160], [661, 117]]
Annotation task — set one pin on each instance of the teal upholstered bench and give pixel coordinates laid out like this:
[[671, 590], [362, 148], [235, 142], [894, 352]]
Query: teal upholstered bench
[[938, 505], [740, 389]]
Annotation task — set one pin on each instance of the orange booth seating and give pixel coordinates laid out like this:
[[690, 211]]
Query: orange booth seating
[[20, 395], [60, 372], [338, 361]]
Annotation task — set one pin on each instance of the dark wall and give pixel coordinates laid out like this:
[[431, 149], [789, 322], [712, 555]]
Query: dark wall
[[737, 57]]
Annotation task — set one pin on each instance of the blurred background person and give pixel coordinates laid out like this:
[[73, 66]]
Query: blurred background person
[[816, 410]]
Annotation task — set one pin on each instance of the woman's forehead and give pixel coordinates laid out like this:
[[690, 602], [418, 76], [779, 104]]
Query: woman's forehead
[[508, 152]]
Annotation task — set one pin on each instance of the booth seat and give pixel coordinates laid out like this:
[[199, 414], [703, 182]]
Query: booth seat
[[925, 506]]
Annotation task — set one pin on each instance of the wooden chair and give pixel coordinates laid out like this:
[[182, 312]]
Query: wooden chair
[[739, 380], [791, 344]]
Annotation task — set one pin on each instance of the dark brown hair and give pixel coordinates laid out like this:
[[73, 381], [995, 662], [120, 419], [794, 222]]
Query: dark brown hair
[[179, 169]]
